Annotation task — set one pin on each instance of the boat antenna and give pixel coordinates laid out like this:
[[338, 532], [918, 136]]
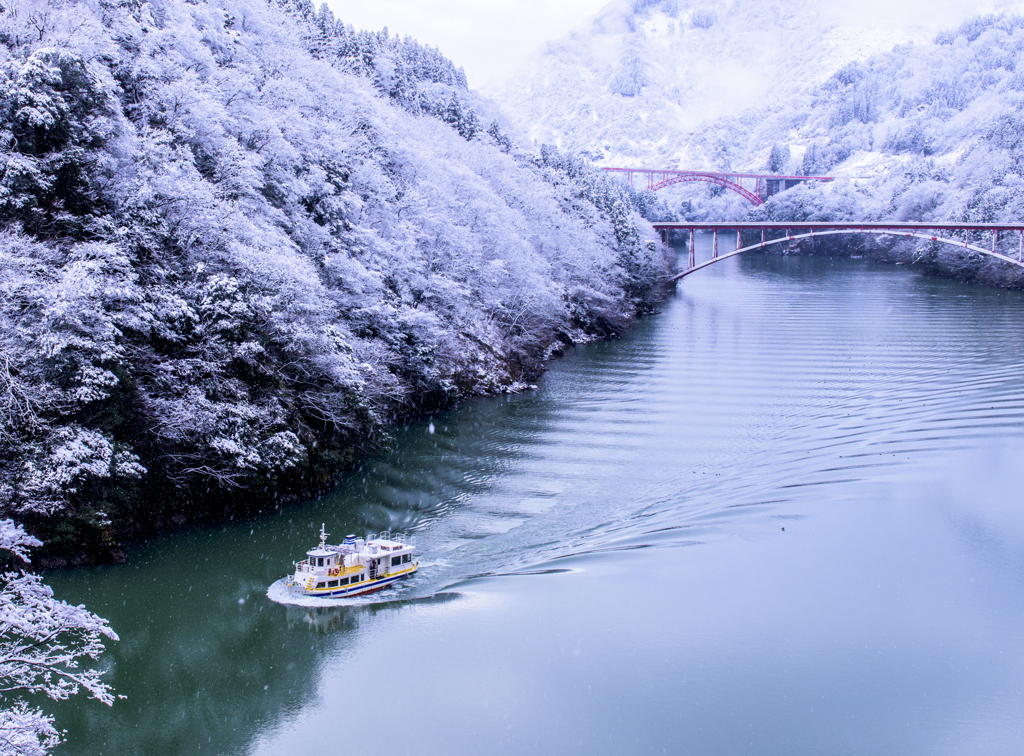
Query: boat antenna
[[323, 536]]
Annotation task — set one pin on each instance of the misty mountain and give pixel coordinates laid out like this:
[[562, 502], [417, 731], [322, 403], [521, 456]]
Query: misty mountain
[[630, 85], [917, 121]]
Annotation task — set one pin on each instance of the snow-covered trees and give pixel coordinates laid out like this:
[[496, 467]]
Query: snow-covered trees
[[704, 61], [238, 238], [631, 76], [936, 124], [703, 18], [778, 157], [415, 77], [43, 643], [61, 318]]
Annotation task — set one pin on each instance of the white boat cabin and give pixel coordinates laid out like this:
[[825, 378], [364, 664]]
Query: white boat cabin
[[356, 566]]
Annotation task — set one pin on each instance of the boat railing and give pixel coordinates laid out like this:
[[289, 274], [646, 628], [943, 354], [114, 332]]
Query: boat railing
[[407, 540], [387, 535]]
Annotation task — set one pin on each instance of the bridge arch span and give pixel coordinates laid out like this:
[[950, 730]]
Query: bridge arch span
[[753, 187], [909, 233], [709, 178]]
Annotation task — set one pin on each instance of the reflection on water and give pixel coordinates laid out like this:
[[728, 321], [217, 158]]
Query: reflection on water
[[345, 619], [782, 516]]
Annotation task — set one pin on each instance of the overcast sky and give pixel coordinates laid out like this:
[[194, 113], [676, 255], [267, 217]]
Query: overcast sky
[[491, 37], [486, 37]]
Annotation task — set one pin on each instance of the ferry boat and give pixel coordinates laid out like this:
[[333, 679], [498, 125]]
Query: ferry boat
[[356, 567]]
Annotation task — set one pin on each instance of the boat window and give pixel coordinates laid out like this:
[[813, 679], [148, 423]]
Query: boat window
[[319, 561], [406, 557], [356, 578], [320, 584], [332, 583], [344, 581], [396, 561]]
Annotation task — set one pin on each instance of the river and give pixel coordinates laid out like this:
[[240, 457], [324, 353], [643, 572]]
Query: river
[[785, 515]]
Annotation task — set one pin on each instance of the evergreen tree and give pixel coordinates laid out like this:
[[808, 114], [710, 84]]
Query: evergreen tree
[[778, 158]]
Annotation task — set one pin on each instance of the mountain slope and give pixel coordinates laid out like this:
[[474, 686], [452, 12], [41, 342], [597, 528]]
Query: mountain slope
[[237, 239], [632, 85], [922, 130]]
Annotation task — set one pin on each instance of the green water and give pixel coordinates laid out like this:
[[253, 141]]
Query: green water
[[782, 516]]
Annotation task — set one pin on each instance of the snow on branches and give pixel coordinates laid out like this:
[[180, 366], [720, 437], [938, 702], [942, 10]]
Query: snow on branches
[[238, 237], [71, 456], [43, 643], [26, 732], [14, 539]]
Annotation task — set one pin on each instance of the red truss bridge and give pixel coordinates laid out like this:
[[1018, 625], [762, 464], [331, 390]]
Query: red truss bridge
[[754, 187], [1006, 239]]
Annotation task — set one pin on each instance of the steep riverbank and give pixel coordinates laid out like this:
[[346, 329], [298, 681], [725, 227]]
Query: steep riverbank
[[158, 518], [239, 241]]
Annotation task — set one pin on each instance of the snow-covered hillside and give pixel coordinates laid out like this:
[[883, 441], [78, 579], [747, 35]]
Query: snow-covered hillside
[[239, 238], [631, 86], [925, 129], [937, 130]]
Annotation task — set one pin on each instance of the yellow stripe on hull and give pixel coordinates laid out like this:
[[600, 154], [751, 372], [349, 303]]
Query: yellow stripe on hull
[[359, 588]]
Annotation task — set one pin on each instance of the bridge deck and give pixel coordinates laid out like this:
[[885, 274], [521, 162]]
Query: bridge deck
[[796, 230], [724, 174], [836, 226]]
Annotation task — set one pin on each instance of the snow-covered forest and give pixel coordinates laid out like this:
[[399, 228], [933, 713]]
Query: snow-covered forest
[[937, 131], [43, 644], [918, 123], [238, 239], [637, 81]]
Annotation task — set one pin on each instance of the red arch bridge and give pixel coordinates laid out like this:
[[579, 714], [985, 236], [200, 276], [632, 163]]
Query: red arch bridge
[[973, 237], [754, 187]]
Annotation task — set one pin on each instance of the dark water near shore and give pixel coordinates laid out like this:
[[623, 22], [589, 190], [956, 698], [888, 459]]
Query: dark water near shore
[[785, 516]]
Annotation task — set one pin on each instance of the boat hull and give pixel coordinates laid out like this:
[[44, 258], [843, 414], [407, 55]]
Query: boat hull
[[361, 589]]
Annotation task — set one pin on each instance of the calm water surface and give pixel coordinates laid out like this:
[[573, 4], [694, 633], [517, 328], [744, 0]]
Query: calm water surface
[[785, 516]]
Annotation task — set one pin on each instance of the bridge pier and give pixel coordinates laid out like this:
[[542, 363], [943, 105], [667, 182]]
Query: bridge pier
[[714, 251], [693, 248]]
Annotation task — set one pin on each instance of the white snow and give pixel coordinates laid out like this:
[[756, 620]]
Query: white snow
[[757, 54]]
